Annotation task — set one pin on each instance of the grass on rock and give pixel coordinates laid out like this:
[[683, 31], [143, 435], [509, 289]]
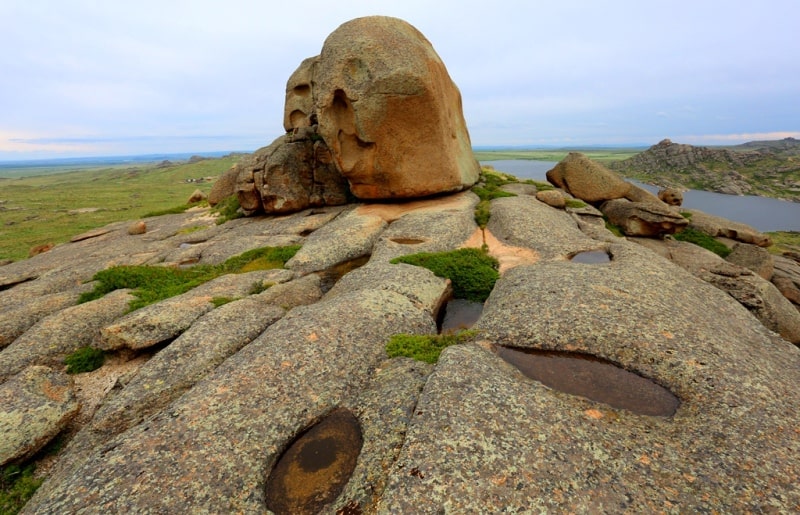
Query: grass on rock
[[425, 348], [17, 486], [84, 359], [487, 189], [151, 284], [473, 272], [702, 239]]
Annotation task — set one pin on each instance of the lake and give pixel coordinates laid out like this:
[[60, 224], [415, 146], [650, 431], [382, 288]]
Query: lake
[[763, 213]]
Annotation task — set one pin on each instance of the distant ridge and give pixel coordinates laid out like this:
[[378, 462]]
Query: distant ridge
[[766, 168]]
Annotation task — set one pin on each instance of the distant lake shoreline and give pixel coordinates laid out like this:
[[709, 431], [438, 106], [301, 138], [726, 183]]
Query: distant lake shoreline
[[762, 213]]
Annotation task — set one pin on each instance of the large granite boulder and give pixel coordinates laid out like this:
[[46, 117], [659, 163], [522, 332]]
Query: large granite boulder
[[643, 218], [390, 112], [586, 179]]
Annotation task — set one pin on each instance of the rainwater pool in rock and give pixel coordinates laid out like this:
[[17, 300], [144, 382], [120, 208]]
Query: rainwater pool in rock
[[312, 472], [330, 276], [459, 314], [591, 257], [593, 378]]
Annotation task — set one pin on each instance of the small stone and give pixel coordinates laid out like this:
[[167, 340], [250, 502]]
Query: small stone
[[552, 198], [196, 197], [138, 227]]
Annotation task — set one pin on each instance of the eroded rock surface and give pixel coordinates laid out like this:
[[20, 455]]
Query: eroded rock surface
[[471, 433], [35, 405]]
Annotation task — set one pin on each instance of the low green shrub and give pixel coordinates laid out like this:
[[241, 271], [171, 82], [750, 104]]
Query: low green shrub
[[227, 209], [575, 203], [425, 348], [84, 359], [487, 189], [482, 213], [17, 486], [540, 186], [702, 239], [151, 284], [473, 272]]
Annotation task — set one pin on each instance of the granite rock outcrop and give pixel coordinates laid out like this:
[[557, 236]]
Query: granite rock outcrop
[[236, 384], [375, 116]]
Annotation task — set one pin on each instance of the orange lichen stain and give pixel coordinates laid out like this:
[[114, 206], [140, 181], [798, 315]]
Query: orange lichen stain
[[286, 364], [594, 413], [53, 392], [508, 256], [499, 480], [312, 337], [644, 459]]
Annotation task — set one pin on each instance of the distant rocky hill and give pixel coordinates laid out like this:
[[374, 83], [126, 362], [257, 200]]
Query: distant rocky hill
[[767, 168]]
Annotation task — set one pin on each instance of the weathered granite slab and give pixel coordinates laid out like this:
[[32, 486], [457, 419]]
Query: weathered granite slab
[[526, 222], [418, 284], [167, 319], [759, 296], [218, 442], [384, 410], [35, 405], [348, 237], [429, 229], [516, 443], [170, 373], [16, 320], [51, 339]]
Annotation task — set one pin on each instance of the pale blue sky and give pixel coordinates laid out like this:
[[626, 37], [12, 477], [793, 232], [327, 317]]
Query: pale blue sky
[[83, 78]]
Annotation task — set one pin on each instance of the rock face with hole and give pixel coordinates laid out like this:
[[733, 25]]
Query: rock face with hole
[[390, 112]]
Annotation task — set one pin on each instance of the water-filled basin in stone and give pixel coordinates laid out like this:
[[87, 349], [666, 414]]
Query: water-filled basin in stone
[[593, 378], [330, 276], [407, 241], [312, 472], [591, 257], [459, 314]]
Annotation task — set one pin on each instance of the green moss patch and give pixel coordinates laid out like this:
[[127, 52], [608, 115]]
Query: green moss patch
[[151, 284], [17, 486], [703, 240], [784, 241], [425, 348], [84, 359], [575, 203], [487, 189], [473, 272]]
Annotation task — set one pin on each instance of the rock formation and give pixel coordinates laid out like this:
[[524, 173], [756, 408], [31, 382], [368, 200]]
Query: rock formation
[[757, 168], [236, 395], [375, 114], [233, 386]]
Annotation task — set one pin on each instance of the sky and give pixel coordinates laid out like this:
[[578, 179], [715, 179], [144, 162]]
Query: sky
[[106, 78]]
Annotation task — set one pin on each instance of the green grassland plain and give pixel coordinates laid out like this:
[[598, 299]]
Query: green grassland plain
[[52, 208]]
